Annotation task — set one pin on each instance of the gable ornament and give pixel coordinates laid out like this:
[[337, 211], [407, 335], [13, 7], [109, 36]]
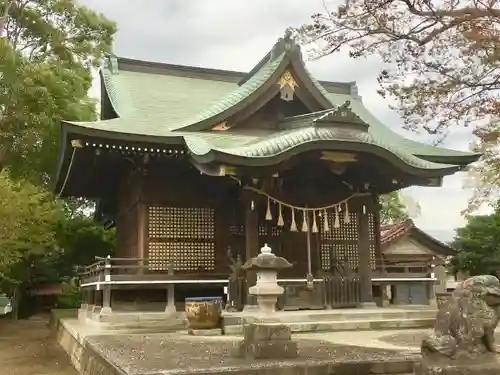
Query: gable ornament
[[287, 85], [223, 126]]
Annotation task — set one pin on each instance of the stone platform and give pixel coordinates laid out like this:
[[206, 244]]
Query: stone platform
[[137, 321], [336, 320], [303, 321], [100, 352]]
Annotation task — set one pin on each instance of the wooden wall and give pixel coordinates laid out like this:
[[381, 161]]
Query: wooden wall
[[195, 220]]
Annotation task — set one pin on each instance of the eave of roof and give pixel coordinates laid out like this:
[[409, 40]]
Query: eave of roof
[[161, 126]]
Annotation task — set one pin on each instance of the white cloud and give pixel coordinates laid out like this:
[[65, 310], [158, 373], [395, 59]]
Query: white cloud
[[228, 34]]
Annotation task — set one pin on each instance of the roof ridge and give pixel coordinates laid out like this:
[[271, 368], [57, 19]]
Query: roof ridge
[[237, 95], [283, 44]]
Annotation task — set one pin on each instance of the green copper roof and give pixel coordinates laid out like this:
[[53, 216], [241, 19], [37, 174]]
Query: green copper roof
[[162, 104], [384, 132], [272, 145], [240, 93]]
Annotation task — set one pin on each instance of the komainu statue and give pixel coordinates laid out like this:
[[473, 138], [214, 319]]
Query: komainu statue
[[463, 339]]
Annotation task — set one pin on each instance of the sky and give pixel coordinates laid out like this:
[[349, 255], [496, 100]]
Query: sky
[[235, 34]]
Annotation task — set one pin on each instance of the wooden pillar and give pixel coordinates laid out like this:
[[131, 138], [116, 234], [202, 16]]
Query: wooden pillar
[[251, 244], [142, 227], [365, 269]]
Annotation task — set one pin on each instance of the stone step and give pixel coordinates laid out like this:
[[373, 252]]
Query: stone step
[[331, 316], [346, 325]]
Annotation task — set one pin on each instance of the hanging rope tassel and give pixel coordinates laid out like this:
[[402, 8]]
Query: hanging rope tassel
[[347, 217], [336, 223], [315, 224], [281, 222], [326, 226], [293, 225], [269, 215], [304, 223]]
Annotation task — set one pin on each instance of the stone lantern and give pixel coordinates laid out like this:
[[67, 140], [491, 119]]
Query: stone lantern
[[267, 290]]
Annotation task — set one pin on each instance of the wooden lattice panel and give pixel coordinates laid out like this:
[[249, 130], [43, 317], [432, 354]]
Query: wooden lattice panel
[[371, 227], [346, 231], [182, 236], [157, 222], [351, 251], [186, 256], [372, 236], [325, 257], [174, 222], [338, 254], [276, 231], [339, 245]]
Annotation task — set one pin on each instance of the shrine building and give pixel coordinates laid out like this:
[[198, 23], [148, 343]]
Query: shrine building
[[199, 168]]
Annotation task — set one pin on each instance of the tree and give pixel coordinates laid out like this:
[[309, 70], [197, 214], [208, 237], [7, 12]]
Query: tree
[[441, 64], [478, 245], [393, 209], [27, 232], [47, 50], [81, 239]]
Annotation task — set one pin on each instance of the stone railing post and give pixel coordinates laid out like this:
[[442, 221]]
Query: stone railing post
[[106, 290], [170, 308]]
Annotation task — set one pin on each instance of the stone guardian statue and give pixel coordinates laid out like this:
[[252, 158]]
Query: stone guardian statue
[[463, 340]]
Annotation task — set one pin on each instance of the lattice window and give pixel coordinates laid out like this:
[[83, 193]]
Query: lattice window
[[187, 256], [371, 226], [332, 255], [173, 222], [339, 245], [183, 236], [346, 231], [372, 238], [276, 231]]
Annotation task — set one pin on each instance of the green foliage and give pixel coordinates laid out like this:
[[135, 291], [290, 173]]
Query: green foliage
[[448, 87], [393, 209], [71, 296], [46, 51], [81, 239], [478, 245], [27, 233], [396, 208], [28, 227]]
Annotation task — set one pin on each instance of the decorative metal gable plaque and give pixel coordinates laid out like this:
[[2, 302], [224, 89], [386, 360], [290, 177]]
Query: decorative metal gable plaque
[[287, 86]]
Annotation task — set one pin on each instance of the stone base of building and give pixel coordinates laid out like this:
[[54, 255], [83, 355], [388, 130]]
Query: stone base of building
[[101, 353]]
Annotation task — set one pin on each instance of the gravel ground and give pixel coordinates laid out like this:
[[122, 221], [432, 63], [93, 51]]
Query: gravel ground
[[29, 347], [156, 353]]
